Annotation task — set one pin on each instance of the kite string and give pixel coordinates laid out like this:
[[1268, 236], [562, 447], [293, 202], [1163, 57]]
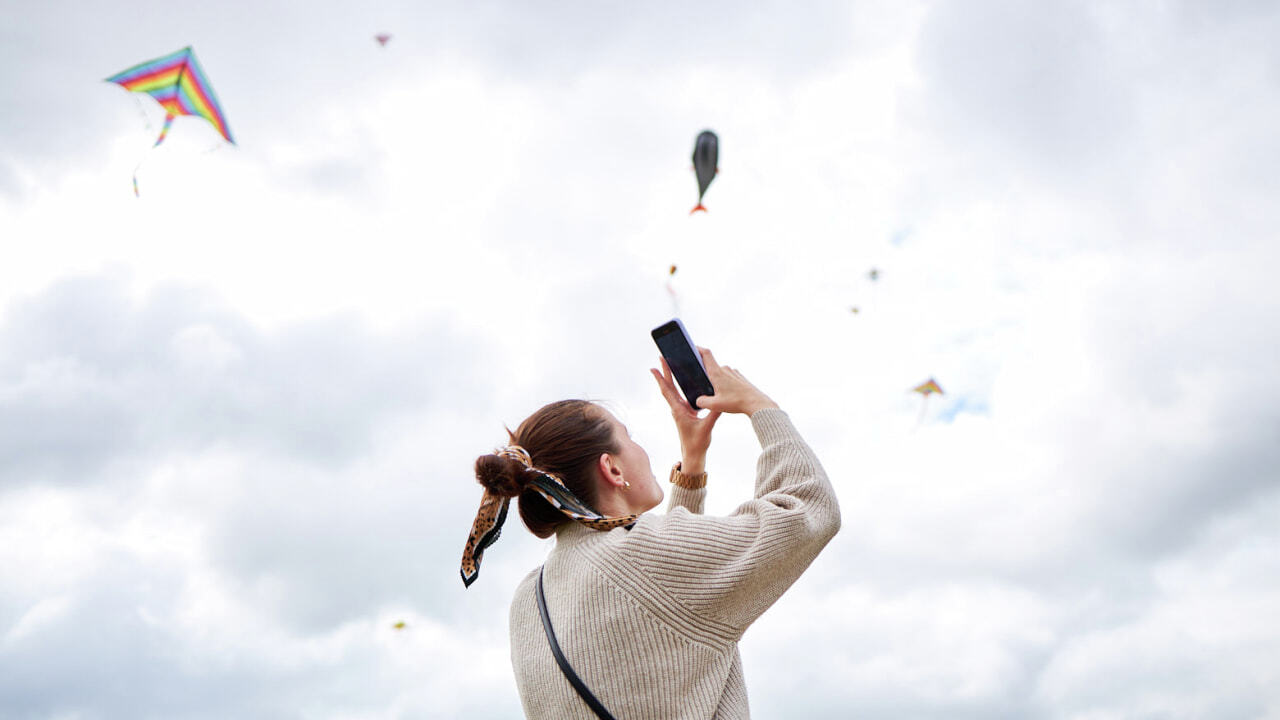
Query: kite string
[[164, 131], [923, 407], [137, 103], [149, 128]]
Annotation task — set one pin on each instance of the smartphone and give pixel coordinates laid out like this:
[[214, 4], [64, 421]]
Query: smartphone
[[684, 360]]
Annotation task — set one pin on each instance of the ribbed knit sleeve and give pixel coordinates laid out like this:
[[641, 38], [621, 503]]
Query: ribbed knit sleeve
[[730, 569], [688, 498]]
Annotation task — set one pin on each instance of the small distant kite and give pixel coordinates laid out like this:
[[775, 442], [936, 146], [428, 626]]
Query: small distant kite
[[179, 84], [706, 157], [873, 274], [382, 38], [399, 625], [926, 388], [671, 289]]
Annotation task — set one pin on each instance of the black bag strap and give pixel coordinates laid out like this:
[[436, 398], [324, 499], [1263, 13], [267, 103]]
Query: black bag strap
[[563, 662]]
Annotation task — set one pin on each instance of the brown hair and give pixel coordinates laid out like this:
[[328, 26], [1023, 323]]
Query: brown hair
[[563, 438]]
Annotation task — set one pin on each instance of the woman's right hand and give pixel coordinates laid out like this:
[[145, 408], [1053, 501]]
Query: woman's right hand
[[734, 393]]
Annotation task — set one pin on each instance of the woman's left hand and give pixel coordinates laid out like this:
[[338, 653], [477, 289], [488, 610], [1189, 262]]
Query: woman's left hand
[[694, 431]]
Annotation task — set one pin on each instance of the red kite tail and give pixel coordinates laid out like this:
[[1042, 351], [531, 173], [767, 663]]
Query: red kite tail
[[696, 209]]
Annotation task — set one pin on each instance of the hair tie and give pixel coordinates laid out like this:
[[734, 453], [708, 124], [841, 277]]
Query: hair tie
[[517, 453], [487, 526]]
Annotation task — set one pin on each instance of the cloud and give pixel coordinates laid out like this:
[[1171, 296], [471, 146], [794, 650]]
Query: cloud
[[275, 72], [1096, 544], [1196, 646], [569, 37], [137, 637], [226, 474], [1040, 83], [94, 377], [225, 515]]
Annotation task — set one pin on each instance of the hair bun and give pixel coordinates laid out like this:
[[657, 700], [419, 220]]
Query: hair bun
[[500, 475]]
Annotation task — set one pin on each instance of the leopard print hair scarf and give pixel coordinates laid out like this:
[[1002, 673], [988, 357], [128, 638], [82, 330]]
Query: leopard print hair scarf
[[493, 512]]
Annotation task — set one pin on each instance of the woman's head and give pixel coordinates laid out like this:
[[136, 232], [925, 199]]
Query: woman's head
[[588, 449]]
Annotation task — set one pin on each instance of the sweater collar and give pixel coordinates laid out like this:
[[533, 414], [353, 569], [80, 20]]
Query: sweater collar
[[572, 533]]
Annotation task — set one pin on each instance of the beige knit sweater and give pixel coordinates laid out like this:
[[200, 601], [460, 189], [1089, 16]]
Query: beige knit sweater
[[650, 617]]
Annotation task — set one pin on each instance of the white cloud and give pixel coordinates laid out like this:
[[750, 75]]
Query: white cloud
[[238, 414]]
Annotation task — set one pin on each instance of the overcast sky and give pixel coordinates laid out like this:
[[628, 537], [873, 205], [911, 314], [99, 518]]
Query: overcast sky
[[238, 413]]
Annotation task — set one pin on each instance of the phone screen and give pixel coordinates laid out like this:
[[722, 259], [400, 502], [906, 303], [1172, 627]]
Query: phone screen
[[682, 356]]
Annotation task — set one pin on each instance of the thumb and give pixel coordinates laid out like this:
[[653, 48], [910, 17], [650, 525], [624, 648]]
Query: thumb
[[709, 402]]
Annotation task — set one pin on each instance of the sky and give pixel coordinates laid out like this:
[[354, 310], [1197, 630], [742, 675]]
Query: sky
[[239, 412]]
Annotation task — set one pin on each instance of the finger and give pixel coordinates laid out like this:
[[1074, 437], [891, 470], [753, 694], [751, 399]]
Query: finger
[[679, 408], [667, 376], [669, 379], [676, 397], [708, 359], [666, 370], [662, 375], [663, 386]]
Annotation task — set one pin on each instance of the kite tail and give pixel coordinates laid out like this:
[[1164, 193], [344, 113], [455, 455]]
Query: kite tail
[[923, 407], [164, 131], [136, 168], [696, 209]]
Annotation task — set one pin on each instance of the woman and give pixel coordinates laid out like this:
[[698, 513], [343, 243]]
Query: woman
[[648, 609]]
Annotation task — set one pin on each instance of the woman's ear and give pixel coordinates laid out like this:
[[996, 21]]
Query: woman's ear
[[604, 465], [608, 471]]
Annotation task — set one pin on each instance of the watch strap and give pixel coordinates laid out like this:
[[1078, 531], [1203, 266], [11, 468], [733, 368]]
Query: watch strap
[[692, 482]]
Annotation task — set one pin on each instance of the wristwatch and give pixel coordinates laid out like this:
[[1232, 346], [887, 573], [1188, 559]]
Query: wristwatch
[[692, 482]]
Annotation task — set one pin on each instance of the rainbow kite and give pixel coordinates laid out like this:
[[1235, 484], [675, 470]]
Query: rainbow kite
[[926, 388], [178, 83]]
